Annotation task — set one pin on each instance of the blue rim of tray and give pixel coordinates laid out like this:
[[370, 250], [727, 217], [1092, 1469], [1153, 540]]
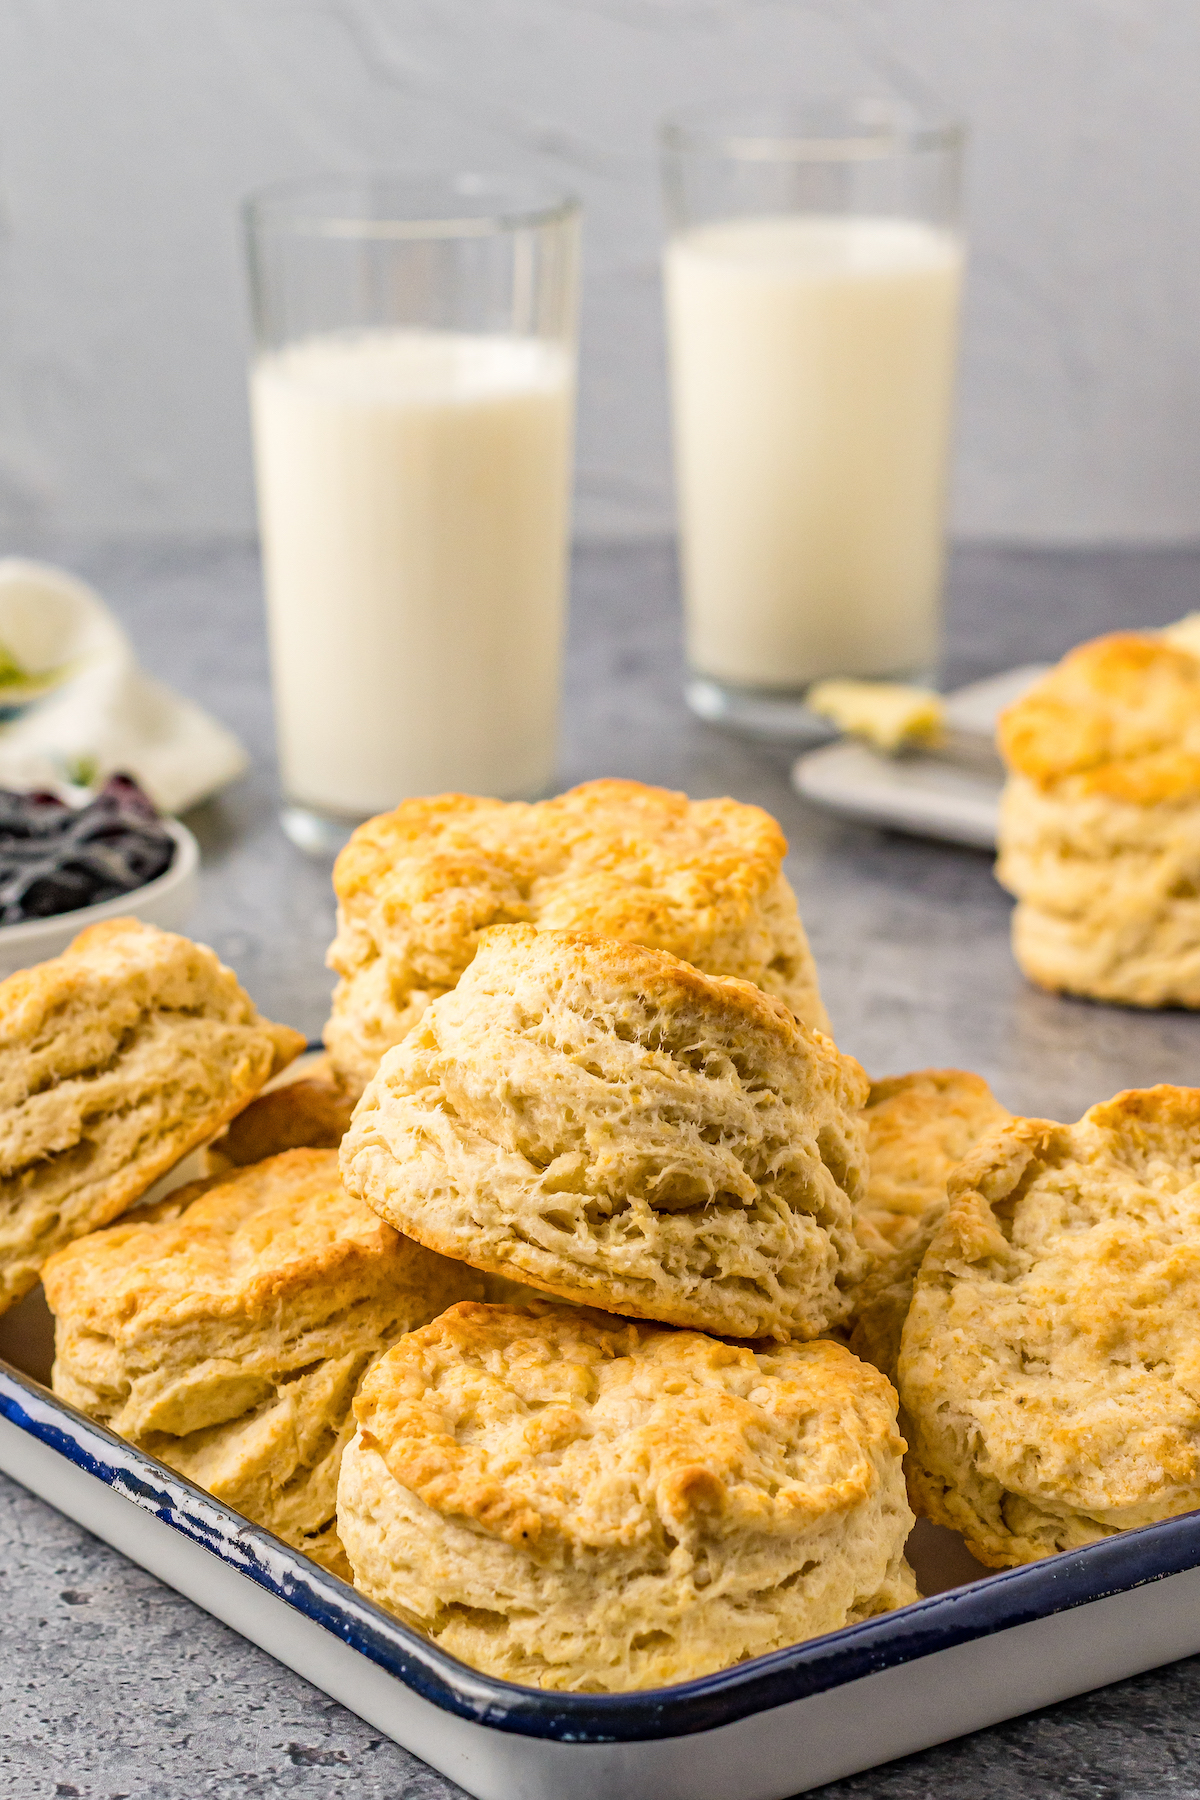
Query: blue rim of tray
[[1132, 1559]]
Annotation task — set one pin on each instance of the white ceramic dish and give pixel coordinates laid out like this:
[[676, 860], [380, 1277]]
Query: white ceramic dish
[[166, 902], [985, 1648], [954, 795]]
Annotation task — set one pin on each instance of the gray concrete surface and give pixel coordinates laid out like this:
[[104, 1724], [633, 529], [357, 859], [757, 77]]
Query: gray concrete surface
[[111, 1685]]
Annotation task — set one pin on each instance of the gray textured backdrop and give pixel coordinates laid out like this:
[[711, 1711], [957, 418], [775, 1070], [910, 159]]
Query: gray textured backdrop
[[130, 128]]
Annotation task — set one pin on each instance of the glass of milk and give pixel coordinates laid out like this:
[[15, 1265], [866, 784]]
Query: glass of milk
[[412, 396], [812, 274]]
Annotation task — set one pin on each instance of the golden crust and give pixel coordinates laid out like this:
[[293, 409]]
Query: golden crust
[[575, 1501], [226, 1330], [311, 1113], [116, 1059], [245, 1242], [1048, 1367], [611, 1125], [919, 1127], [416, 888], [1119, 716]]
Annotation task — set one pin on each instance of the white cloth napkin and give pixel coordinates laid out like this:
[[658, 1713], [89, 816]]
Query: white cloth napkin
[[75, 706]]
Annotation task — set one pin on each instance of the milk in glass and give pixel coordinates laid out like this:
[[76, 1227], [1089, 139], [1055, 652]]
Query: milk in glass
[[413, 494], [812, 362]]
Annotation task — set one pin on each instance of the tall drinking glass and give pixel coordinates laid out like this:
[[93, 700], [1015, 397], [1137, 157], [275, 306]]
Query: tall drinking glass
[[812, 270], [413, 401]]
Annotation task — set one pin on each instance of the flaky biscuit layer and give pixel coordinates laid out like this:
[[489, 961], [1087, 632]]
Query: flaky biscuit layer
[[228, 1338], [609, 1124], [311, 1113], [116, 1059], [1108, 894], [416, 887], [573, 1501], [1049, 1367], [919, 1127]]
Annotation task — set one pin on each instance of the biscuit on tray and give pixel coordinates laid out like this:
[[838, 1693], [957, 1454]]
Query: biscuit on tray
[[574, 1501], [1048, 1369], [608, 1124], [116, 1059], [1099, 834], [228, 1342], [919, 1127], [701, 879]]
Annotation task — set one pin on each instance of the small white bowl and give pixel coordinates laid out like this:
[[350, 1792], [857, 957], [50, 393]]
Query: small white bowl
[[166, 901]]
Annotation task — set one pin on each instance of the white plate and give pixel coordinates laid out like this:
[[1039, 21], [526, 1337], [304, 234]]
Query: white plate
[[166, 902], [954, 795]]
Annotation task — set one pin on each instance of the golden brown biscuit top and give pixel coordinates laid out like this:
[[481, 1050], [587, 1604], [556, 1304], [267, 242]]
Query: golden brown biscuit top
[[277, 1226], [614, 857], [918, 1127], [543, 1425], [1056, 1306], [646, 998], [105, 982], [1118, 717], [310, 1113], [1142, 1135]]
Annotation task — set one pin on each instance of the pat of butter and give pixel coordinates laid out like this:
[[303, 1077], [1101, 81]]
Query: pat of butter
[[887, 714], [1184, 634]]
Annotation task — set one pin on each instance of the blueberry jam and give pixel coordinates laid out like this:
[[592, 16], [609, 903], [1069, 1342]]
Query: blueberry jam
[[55, 858]]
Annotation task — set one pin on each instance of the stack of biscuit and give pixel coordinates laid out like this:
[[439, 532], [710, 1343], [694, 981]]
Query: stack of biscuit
[[593, 1090], [1099, 833], [561, 1309], [225, 1327], [596, 1491], [226, 1332]]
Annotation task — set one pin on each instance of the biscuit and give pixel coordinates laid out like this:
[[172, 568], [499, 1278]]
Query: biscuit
[[1099, 834], [1049, 1369], [116, 1059], [1184, 634], [1108, 894], [1118, 717], [311, 1113], [919, 1127], [577, 1502], [608, 1124], [702, 880], [228, 1342]]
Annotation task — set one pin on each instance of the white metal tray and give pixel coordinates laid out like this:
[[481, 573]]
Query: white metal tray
[[984, 1648]]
